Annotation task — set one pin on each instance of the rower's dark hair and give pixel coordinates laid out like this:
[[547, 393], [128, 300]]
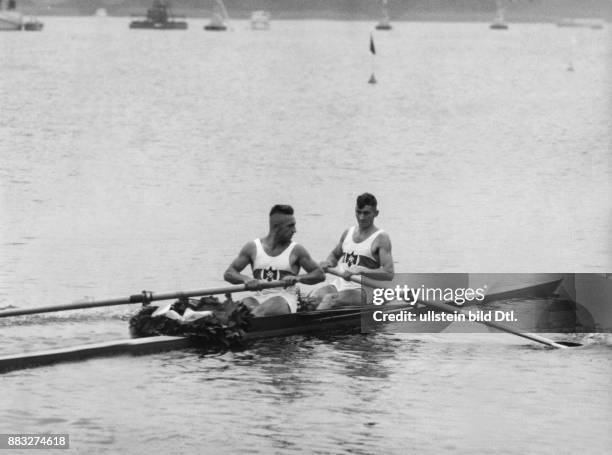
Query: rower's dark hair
[[281, 208], [366, 199]]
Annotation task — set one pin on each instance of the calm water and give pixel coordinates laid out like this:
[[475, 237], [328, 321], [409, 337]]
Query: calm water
[[143, 160]]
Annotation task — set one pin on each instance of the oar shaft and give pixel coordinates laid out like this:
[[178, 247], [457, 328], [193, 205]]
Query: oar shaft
[[70, 306], [452, 309], [139, 298], [365, 281]]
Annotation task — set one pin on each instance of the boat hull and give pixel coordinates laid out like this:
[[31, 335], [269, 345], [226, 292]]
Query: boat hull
[[260, 20], [341, 320], [260, 26], [33, 26], [10, 21], [215, 28], [149, 25], [136, 346], [16, 21]]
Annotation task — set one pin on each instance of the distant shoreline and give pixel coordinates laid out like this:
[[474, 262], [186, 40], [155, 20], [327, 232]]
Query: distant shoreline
[[542, 11], [441, 18]]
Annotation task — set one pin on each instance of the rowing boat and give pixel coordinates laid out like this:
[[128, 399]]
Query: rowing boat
[[349, 319], [325, 321]]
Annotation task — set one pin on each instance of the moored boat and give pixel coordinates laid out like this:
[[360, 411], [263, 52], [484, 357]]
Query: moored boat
[[216, 24], [592, 23], [13, 20], [499, 23], [384, 23], [219, 19], [33, 25], [260, 20], [159, 17], [10, 18]]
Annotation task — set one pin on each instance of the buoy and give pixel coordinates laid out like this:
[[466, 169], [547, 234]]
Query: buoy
[[372, 79]]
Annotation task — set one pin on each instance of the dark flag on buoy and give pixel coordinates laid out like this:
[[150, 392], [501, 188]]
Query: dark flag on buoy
[[373, 51]]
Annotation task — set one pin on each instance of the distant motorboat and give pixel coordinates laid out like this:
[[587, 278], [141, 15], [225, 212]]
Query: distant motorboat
[[260, 20], [33, 25], [101, 12], [159, 17], [13, 20], [583, 23]]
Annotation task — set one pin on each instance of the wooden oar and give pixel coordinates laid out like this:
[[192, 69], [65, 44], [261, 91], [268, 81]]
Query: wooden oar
[[365, 281], [140, 298]]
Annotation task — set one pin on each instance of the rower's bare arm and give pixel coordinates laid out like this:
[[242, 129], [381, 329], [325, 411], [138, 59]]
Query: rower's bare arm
[[387, 270], [314, 273], [335, 255], [233, 273]]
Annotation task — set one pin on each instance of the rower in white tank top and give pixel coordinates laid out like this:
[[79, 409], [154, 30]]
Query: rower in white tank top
[[357, 257], [274, 268]]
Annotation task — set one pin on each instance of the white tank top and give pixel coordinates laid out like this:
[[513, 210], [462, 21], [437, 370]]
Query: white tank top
[[358, 257], [272, 268]]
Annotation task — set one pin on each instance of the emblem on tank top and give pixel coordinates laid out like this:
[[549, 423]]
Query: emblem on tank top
[[351, 259], [269, 274]]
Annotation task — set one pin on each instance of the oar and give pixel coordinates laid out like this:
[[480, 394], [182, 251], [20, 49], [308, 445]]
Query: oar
[[140, 298], [365, 281]]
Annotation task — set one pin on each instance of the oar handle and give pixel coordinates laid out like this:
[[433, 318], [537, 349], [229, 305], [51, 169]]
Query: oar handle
[[359, 279], [144, 297], [365, 281]]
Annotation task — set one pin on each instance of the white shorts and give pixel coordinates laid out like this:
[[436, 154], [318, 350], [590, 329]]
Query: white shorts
[[290, 297]]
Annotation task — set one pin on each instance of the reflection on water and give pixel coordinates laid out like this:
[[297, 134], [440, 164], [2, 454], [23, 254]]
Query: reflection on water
[[369, 356]]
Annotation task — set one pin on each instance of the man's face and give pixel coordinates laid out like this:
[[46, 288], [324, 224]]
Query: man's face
[[365, 216], [286, 227]]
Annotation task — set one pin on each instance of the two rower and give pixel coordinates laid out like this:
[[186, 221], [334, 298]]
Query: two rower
[[362, 249]]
